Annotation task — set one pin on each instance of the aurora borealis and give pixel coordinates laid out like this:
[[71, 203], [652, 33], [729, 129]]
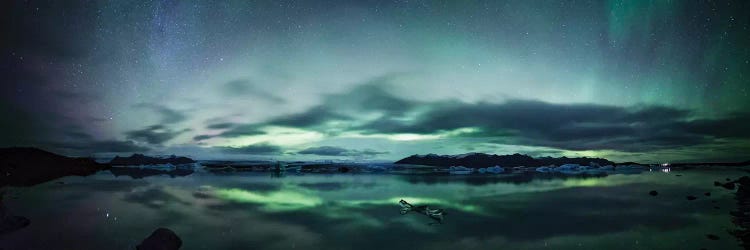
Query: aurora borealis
[[378, 80]]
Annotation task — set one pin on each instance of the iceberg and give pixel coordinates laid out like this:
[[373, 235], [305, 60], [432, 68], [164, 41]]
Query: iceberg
[[495, 170], [568, 169], [607, 168], [460, 170]]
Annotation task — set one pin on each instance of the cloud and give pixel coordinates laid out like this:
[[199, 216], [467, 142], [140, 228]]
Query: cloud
[[155, 134], [313, 117], [114, 146], [222, 125], [77, 142], [370, 109], [254, 149], [84, 147], [202, 137], [242, 130], [516, 122], [244, 88], [569, 126], [168, 115], [371, 96], [338, 151]]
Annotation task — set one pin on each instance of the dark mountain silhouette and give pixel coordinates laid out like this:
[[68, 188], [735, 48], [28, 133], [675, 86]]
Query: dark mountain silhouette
[[31, 166], [139, 159], [481, 160]]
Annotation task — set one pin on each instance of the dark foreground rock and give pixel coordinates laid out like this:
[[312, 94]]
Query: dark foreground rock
[[653, 193], [31, 166], [161, 239], [10, 223], [741, 216], [139, 159]]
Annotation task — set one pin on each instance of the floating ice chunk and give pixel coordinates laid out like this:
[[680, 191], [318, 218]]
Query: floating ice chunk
[[607, 168], [495, 170], [544, 169], [460, 170]]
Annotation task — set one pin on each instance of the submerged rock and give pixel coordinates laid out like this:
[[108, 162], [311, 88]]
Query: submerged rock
[[728, 185], [436, 214], [741, 216], [690, 197], [10, 223], [712, 237], [161, 239], [707, 193], [653, 193], [13, 223]]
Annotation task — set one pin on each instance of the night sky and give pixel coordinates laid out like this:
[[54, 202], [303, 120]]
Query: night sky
[[662, 81]]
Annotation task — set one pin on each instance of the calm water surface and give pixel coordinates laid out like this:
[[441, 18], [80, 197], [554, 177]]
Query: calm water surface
[[360, 211]]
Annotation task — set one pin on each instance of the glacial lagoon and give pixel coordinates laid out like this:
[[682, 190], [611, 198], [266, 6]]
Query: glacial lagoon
[[261, 210]]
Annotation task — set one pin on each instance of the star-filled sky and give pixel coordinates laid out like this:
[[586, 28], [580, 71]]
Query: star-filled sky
[[378, 80]]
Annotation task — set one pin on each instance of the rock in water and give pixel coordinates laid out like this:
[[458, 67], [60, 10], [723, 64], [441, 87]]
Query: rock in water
[[10, 223], [712, 237], [13, 223], [707, 193], [728, 185], [653, 193], [161, 239], [690, 197]]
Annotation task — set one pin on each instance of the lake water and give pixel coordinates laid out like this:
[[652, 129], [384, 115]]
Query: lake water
[[360, 211]]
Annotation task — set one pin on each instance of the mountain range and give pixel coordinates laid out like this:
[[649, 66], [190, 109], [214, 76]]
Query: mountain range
[[481, 160], [139, 159]]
